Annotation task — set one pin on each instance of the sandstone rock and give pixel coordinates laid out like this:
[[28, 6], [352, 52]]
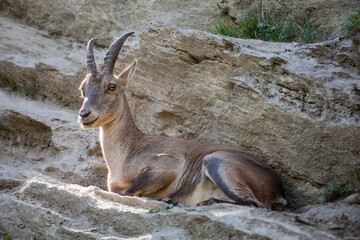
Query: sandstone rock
[[44, 208], [295, 106], [40, 137], [284, 102], [320, 13], [19, 129], [40, 62], [82, 19], [85, 19]]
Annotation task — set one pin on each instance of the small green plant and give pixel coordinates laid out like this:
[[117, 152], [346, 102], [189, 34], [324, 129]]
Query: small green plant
[[335, 190], [3, 80], [267, 28], [262, 24], [224, 11], [309, 32], [222, 26], [352, 23], [254, 27], [7, 83], [94, 150], [156, 210], [31, 91], [226, 29]]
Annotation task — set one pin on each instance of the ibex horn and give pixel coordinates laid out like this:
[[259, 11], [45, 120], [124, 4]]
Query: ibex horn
[[113, 52], [91, 64]]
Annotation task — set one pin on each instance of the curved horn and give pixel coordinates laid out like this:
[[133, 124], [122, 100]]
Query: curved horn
[[113, 52], [91, 64]]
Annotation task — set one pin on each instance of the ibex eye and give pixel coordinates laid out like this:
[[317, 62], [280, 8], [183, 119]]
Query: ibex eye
[[112, 87]]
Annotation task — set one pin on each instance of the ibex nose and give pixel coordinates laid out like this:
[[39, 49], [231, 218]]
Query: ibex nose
[[84, 114], [88, 117]]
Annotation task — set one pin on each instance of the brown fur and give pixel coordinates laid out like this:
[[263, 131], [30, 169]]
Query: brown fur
[[157, 167]]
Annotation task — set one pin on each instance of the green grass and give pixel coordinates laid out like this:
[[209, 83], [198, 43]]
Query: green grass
[[224, 11], [268, 28], [156, 210], [226, 29], [7, 83], [335, 190], [308, 32], [265, 26], [94, 150], [352, 23], [30, 91]]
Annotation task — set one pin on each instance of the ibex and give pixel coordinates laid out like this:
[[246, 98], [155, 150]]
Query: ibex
[[166, 167]]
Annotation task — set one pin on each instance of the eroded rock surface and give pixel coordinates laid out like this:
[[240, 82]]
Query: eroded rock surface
[[83, 18], [295, 106], [276, 100], [18, 129], [40, 137], [44, 208]]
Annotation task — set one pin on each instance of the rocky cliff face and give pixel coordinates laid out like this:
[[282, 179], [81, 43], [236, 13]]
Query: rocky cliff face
[[295, 106], [80, 19], [272, 99]]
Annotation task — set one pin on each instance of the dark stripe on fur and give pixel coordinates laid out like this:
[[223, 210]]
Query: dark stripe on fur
[[213, 166], [190, 178]]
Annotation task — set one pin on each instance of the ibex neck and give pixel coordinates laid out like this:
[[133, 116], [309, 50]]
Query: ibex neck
[[120, 134]]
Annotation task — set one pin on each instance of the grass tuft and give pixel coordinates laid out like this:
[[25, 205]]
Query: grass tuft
[[334, 191], [309, 32], [7, 83], [94, 150], [224, 11], [352, 23], [31, 91], [156, 210], [226, 29], [268, 28], [265, 26]]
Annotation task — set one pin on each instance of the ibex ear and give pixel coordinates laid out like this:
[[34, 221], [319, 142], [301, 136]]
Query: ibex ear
[[128, 73]]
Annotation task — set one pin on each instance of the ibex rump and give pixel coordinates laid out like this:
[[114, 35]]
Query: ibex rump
[[156, 166]]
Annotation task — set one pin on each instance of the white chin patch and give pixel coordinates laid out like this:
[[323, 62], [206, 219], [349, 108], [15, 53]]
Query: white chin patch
[[88, 126]]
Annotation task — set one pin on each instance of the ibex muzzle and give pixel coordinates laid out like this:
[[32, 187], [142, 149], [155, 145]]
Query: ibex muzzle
[[156, 166]]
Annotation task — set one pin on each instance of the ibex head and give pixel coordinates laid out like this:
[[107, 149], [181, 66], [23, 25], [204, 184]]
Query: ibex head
[[102, 91]]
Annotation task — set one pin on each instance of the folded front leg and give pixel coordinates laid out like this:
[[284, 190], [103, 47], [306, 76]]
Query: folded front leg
[[150, 182]]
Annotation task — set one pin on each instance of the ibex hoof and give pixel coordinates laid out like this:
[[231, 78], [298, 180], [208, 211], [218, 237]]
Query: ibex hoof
[[127, 193], [167, 200], [208, 202]]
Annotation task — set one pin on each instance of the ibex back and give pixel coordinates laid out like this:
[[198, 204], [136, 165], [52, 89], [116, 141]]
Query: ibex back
[[156, 166]]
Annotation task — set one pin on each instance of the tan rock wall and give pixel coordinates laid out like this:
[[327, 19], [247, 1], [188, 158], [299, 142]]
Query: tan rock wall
[[294, 106], [249, 94], [84, 19], [105, 19]]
